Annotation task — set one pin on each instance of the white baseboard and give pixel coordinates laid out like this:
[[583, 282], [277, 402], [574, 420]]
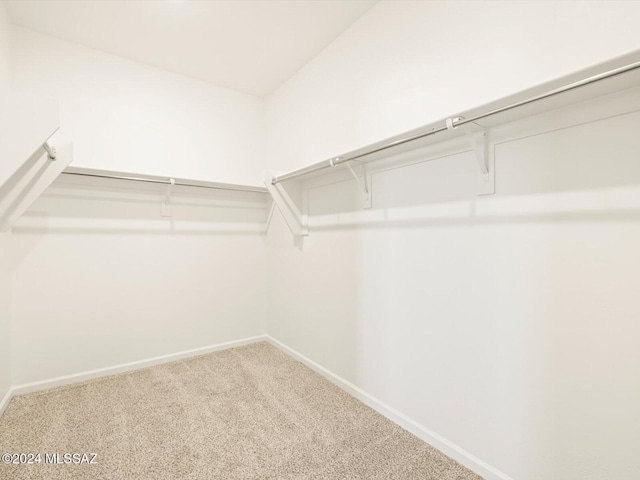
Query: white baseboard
[[5, 401], [125, 367], [432, 438]]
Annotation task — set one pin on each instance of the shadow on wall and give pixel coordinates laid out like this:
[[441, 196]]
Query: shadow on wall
[[118, 207], [33, 169], [79, 207], [588, 172]]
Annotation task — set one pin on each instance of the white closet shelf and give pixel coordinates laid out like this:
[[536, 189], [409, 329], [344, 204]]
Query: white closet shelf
[[619, 74], [111, 179], [175, 181]]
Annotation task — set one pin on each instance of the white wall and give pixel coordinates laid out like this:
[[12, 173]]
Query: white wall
[[100, 279], [505, 324], [114, 281], [5, 48], [4, 269], [123, 115]]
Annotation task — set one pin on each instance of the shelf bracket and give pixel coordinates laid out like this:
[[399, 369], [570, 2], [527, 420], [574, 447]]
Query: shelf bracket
[[363, 183], [295, 219], [480, 148], [166, 201]]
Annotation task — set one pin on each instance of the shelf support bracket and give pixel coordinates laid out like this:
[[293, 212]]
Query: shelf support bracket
[[363, 183], [295, 219], [486, 181], [166, 202]]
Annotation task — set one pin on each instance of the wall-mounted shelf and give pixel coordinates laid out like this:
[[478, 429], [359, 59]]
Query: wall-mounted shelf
[[91, 201], [176, 181], [472, 126], [172, 184]]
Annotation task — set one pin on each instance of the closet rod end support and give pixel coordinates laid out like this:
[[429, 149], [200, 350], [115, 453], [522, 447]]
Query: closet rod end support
[[51, 151]]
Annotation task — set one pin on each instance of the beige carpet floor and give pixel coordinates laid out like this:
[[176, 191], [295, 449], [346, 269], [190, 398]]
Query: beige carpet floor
[[246, 413]]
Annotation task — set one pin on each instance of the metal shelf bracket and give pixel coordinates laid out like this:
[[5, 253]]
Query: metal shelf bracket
[[480, 148], [363, 182], [296, 220], [166, 202]]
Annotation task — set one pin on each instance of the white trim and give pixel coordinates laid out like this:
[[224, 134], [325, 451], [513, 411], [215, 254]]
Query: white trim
[[124, 367], [447, 447], [5, 400]]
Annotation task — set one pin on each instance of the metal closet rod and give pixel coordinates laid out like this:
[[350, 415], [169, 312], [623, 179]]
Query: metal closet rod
[[394, 143], [181, 183]]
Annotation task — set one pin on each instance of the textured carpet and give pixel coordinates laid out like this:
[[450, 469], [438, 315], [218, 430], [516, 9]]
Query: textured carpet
[[246, 413]]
